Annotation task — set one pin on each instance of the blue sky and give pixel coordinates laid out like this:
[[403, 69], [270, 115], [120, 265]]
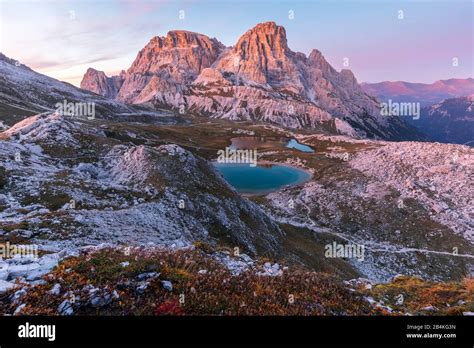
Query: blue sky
[[62, 38]]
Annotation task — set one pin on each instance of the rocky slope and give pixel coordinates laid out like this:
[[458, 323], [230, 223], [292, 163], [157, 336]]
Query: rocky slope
[[426, 94], [120, 192], [202, 281], [436, 175], [24, 92], [78, 183], [407, 203], [260, 78]]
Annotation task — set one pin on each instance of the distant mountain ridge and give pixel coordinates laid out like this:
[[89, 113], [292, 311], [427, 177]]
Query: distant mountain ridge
[[259, 79], [24, 89], [450, 121], [426, 94]]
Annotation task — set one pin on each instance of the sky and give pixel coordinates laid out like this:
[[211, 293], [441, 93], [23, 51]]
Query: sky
[[379, 40]]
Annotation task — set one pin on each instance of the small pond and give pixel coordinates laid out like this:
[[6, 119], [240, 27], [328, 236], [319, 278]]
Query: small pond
[[261, 179], [268, 142]]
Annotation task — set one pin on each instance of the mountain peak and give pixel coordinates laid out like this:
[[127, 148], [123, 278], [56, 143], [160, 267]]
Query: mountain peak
[[183, 39], [98, 82], [92, 71], [172, 62], [268, 34], [266, 26], [261, 54], [4, 58]]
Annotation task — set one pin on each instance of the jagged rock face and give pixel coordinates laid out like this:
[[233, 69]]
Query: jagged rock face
[[254, 103], [211, 77], [179, 50], [280, 86], [176, 60], [260, 79], [262, 55], [285, 87], [97, 82]]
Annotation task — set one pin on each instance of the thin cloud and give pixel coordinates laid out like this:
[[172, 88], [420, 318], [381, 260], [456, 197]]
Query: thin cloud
[[67, 39], [68, 63]]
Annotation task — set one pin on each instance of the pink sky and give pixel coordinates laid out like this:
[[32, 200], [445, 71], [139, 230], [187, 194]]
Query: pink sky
[[63, 38]]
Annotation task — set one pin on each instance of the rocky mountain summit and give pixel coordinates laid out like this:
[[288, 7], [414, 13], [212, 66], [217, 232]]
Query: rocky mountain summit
[[97, 82], [166, 65], [260, 78]]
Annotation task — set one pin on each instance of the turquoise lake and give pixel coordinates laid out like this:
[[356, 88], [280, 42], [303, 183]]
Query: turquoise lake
[[293, 144], [261, 179], [268, 142]]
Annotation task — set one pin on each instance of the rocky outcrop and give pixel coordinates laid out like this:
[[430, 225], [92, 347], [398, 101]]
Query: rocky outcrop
[[273, 84], [260, 79], [167, 64], [97, 82], [436, 175], [262, 56], [164, 194]]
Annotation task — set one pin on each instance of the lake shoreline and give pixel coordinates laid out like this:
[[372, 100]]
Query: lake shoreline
[[263, 164]]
